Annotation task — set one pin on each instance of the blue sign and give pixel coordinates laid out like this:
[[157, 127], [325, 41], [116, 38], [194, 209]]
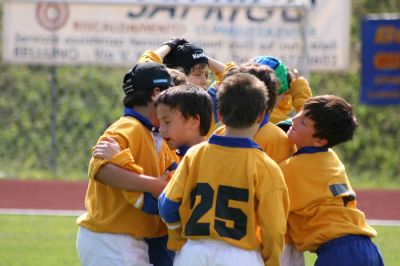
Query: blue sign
[[380, 60]]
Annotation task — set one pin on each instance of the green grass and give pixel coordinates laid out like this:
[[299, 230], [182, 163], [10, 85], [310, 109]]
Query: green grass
[[50, 241], [38, 240]]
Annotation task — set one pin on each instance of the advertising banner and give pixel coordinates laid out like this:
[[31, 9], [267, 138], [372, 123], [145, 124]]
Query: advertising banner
[[380, 59], [116, 33]]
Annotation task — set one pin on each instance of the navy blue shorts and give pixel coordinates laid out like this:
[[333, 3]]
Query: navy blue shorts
[[158, 253], [354, 250]]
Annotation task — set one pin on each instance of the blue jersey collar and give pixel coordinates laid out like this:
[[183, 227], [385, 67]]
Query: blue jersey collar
[[233, 142], [264, 121], [310, 149], [145, 122], [181, 151]]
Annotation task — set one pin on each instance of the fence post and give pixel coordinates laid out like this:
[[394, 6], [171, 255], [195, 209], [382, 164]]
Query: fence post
[[304, 31], [53, 119]]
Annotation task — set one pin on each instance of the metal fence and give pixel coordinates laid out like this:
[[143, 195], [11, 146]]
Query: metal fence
[[48, 131]]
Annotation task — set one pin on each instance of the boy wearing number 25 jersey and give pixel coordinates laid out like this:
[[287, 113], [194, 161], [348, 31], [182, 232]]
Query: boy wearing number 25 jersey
[[227, 197]]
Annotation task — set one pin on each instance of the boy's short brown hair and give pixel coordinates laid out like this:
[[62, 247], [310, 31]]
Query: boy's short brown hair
[[241, 98], [265, 74], [333, 118], [178, 76], [191, 101]]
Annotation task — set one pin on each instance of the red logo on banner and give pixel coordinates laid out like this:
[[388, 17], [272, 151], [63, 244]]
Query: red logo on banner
[[52, 16]]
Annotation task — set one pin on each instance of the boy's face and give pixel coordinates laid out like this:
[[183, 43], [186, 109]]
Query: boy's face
[[174, 128], [199, 76], [302, 132]]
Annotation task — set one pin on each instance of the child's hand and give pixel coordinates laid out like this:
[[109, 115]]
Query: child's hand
[[106, 149], [175, 42], [161, 183]]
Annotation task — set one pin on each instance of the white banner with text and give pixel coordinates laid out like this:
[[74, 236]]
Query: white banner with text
[[115, 34]]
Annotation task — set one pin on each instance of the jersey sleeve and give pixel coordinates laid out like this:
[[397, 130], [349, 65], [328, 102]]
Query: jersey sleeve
[[169, 203], [96, 163], [143, 201], [125, 160], [149, 56], [300, 91], [273, 209]]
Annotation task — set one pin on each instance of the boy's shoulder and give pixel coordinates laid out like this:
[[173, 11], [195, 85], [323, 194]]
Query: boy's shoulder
[[271, 130], [302, 160], [126, 129], [127, 124], [196, 148], [264, 160]]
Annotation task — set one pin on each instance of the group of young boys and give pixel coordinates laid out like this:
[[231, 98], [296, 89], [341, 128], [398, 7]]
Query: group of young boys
[[197, 175]]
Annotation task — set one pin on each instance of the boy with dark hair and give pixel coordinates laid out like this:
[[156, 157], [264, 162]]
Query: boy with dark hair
[[269, 137], [227, 197], [184, 113], [323, 216], [178, 53], [193, 62], [112, 230]]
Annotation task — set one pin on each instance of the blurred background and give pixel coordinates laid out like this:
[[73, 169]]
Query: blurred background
[[54, 105]]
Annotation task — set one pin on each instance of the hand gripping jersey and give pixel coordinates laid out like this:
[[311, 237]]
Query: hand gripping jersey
[[322, 202], [112, 210], [271, 139], [294, 98], [227, 189]]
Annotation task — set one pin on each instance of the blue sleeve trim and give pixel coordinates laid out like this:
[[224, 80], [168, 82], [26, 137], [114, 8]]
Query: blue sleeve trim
[[213, 94], [169, 210], [150, 204], [172, 167]]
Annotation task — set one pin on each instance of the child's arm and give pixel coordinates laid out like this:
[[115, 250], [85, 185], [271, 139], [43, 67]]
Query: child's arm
[[273, 200], [111, 172], [219, 69], [299, 90], [145, 201], [169, 203], [110, 150]]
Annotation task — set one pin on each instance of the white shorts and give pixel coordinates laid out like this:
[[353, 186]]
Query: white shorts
[[211, 252], [292, 257], [103, 249]]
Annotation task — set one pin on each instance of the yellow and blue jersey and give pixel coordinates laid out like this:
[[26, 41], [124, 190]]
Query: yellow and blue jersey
[[112, 210], [322, 202], [227, 189]]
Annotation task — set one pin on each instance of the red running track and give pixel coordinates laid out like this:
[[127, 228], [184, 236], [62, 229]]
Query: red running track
[[63, 195]]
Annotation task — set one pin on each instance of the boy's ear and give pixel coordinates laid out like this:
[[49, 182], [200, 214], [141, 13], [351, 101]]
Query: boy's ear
[[195, 122], [155, 92], [220, 118], [320, 142]]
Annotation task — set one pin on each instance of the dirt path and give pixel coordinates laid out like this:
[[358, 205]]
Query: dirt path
[[62, 195]]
